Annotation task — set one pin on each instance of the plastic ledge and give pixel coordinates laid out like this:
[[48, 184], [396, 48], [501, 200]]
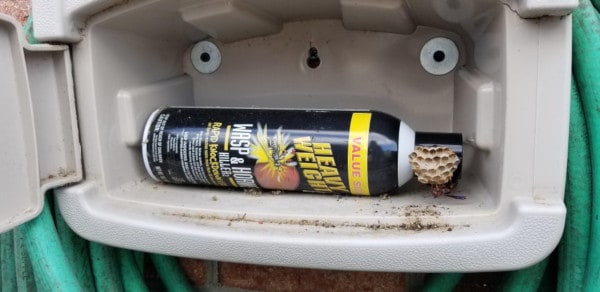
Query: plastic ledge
[[530, 235], [540, 8], [62, 20]]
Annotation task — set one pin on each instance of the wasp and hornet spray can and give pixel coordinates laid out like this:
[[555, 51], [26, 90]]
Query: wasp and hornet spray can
[[322, 151]]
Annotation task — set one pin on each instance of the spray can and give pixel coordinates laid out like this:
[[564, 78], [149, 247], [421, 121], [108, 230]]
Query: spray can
[[323, 151]]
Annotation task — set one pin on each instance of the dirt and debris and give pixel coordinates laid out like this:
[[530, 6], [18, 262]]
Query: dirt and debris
[[253, 191], [418, 218], [442, 189], [60, 173], [259, 191], [413, 225], [419, 211]]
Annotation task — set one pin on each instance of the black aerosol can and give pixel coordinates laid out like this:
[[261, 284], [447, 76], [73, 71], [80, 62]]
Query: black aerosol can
[[324, 151]]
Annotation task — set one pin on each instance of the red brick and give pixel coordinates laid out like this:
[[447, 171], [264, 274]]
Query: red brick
[[268, 278], [194, 269], [18, 9]]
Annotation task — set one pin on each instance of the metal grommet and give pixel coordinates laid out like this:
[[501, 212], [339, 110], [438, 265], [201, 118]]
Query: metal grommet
[[439, 56], [206, 57]]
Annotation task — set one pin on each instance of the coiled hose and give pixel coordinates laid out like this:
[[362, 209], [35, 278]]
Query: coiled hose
[[586, 68], [573, 249], [63, 261]]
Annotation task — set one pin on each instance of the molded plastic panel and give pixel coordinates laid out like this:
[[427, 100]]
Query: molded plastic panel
[[19, 175], [65, 20], [540, 8], [40, 148], [511, 83]]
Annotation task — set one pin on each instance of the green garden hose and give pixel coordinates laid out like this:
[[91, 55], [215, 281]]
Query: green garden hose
[[526, 280], [65, 263], [596, 4], [7, 254], [76, 250], [139, 260], [586, 68], [171, 274], [441, 282], [105, 267], [23, 265], [28, 29], [52, 270], [573, 249], [133, 280]]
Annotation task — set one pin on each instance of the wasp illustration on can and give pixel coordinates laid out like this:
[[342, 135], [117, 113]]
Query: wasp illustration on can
[[275, 167]]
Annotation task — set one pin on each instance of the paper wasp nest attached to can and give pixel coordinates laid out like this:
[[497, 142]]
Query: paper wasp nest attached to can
[[434, 165]]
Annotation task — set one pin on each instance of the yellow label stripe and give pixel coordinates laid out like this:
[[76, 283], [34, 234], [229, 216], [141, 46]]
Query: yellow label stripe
[[358, 151], [226, 140]]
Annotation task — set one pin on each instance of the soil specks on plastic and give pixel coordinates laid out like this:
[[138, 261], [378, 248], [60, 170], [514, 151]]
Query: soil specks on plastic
[[409, 218], [419, 211]]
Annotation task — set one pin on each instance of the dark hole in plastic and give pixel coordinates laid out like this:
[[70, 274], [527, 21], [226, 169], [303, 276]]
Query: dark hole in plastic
[[313, 60], [205, 57], [439, 56]]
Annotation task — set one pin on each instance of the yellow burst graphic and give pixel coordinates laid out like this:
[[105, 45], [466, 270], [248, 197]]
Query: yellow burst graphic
[[273, 151]]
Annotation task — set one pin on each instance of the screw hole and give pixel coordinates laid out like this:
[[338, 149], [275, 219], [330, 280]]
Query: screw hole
[[313, 60], [439, 56], [205, 57]]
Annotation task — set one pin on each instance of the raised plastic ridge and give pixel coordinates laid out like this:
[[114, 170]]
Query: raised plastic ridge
[[40, 145]]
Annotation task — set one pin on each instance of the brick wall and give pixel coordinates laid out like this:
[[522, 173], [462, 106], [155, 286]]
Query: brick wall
[[208, 274], [18, 9]]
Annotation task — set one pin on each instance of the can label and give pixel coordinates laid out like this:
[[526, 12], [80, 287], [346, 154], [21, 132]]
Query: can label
[[315, 151]]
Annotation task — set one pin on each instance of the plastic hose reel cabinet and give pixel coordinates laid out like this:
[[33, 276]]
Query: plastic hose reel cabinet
[[485, 69]]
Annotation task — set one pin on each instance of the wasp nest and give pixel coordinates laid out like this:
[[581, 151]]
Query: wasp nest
[[433, 165]]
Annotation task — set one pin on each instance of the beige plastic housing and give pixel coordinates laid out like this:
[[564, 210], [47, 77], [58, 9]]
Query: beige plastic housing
[[508, 95], [40, 147]]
